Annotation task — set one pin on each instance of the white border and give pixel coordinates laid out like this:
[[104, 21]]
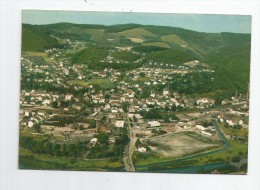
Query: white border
[[10, 38]]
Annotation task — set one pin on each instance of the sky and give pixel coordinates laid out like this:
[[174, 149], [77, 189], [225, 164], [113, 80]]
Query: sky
[[213, 23]]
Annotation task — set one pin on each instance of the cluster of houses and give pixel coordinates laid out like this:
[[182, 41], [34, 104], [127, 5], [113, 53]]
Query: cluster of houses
[[232, 122], [106, 106]]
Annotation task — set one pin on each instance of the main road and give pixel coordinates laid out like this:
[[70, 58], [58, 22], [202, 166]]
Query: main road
[[129, 150]]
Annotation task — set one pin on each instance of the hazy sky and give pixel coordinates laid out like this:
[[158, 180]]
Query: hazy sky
[[197, 22]]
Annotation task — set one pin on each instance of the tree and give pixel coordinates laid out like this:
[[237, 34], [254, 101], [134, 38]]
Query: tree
[[92, 124], [138, 143], [54, 104], [125, 106], [122, 140], [236, 159], [102, 138], [48, 148], [135, 119], [65, 150], [142, 74], [56, 149], [37, 127], [145, 93], [152, 114], [73, 150]]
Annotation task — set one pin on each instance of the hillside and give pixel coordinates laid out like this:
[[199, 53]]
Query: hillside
[[36, 40], [227, 53], [89, 55]]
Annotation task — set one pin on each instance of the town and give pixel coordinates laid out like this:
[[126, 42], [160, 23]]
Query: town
[[126, 117]]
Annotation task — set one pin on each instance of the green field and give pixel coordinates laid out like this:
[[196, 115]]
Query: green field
[[29, 160], [175, 39], [136, 33], [96, 34], [157, 44]]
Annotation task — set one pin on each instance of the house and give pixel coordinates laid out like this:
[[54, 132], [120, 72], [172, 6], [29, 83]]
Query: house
[[68, 96], [132, 109], [119, 123], [114, 110], [200, 127], [93, 140], [230, 122], [142, 149], [30, 124], [154, 123], [107, 107], [206, 133], [26, 113]]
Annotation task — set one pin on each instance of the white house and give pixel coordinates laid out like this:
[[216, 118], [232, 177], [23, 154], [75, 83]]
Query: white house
[[68, 96], [206, 133], [119, 123], [30, 124], [142, 149], [200, 127], [154, 123], [94, 140]]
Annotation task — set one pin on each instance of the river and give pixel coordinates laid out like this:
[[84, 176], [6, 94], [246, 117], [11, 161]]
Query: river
[[189, 170]]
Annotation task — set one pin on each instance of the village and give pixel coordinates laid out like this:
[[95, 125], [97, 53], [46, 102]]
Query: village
[[73, 103]]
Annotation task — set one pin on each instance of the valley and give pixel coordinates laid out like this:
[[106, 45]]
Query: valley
[[133, 98]]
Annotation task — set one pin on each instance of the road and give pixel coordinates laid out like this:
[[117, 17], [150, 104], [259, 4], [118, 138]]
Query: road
[[129, 150]]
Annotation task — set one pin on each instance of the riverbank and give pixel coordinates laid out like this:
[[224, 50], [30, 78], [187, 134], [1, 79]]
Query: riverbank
[[28, 160]]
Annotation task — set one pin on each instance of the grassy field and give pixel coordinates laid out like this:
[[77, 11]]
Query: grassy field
[[96, 34], [35, 53], [174, 147], [179, 144], [158, 44], [173, 38], [136, 33], [144, 79], [236, 149], [102, 82], [137, 40], [39, 54], [29, 160]]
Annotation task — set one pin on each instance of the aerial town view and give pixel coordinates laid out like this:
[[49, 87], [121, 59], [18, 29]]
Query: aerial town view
[[133, 97]]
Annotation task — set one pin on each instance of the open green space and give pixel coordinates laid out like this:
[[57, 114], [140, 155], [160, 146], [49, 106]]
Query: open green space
[[173, 38], [157, 44], [29, 160], [136, 32]]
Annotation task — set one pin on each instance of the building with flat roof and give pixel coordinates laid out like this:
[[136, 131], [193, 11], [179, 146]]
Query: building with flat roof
[[154, 123], [119, 123]]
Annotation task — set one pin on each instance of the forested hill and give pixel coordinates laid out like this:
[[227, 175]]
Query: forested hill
[[228, 53]]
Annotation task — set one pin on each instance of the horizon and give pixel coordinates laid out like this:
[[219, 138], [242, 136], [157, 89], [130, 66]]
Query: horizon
[[209, 23], [136, 24]]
